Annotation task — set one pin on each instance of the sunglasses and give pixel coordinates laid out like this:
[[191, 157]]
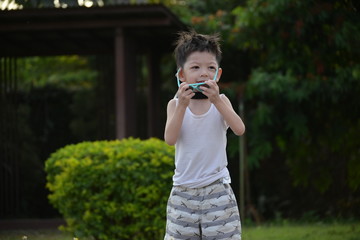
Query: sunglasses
[[195, 86]]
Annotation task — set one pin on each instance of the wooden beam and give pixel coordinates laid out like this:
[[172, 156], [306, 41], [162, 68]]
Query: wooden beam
[[89, 24]]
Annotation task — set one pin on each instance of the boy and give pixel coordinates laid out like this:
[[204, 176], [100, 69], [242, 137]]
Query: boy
[[202, 204]]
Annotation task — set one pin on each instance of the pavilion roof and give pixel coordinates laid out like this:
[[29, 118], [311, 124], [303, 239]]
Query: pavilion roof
[[80, 30]]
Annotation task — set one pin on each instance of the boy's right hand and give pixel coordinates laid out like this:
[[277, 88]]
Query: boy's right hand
[[185, 94]]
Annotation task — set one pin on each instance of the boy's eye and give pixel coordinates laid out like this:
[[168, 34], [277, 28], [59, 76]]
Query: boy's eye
[[195, 67], [212, 68]]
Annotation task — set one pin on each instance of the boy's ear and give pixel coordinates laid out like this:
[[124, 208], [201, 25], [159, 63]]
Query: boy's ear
[[181, 75], [218, 74]]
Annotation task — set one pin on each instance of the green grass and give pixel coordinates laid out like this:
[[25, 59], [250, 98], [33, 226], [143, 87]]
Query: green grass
[[315, 231], [35, 235], [287, 231]]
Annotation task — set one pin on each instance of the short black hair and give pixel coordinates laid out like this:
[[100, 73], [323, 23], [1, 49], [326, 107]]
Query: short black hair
[[191, 41]]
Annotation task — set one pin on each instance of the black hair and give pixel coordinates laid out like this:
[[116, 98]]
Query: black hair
[[191, 41]]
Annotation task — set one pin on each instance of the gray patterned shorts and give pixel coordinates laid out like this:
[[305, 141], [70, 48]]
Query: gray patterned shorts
[[207, 213]]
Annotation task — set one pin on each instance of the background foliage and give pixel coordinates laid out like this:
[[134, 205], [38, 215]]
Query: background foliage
[[112, 189]]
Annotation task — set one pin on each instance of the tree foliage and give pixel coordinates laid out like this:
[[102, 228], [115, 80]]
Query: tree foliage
[[66, 72], [305, 84]]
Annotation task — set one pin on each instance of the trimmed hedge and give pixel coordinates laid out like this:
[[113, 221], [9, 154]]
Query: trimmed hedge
[[112, 189]]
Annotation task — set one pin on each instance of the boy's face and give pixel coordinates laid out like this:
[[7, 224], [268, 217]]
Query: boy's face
[[199, 67]]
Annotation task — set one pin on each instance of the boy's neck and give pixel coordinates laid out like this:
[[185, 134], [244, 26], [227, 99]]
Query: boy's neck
[[199, 106]]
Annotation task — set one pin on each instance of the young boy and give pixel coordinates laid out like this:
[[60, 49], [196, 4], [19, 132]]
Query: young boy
[[202, 204]]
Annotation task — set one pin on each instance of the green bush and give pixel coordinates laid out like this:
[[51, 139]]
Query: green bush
[[112, 189]]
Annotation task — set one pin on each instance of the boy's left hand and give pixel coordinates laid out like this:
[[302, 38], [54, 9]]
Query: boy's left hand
[[211, 90]]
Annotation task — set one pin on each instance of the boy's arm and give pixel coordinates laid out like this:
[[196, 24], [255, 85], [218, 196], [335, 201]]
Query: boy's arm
[[223, 104], [175, 114], [234, 121]]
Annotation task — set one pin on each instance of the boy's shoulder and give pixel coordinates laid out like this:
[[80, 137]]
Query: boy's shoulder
[[224, 97], [173, 101]]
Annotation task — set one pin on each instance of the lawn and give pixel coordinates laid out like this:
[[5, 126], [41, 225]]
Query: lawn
[[315, 231]]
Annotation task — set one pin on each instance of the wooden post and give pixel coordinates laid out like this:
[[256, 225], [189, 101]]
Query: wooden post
[[242, 156], [153, 60], [242, 164], [120, 86], [125, 85]]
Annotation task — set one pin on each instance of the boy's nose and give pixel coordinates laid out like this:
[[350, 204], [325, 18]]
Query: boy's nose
[[204, 73]]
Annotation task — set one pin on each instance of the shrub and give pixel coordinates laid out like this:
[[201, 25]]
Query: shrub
[[112, 189]]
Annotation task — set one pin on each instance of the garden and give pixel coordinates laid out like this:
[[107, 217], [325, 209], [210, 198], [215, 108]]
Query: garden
[[291, 68]]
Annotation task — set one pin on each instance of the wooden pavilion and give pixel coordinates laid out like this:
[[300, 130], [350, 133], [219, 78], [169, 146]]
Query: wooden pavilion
[[122, 32]]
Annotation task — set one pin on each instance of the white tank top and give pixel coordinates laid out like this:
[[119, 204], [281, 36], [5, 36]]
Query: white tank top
[[200, 155]]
